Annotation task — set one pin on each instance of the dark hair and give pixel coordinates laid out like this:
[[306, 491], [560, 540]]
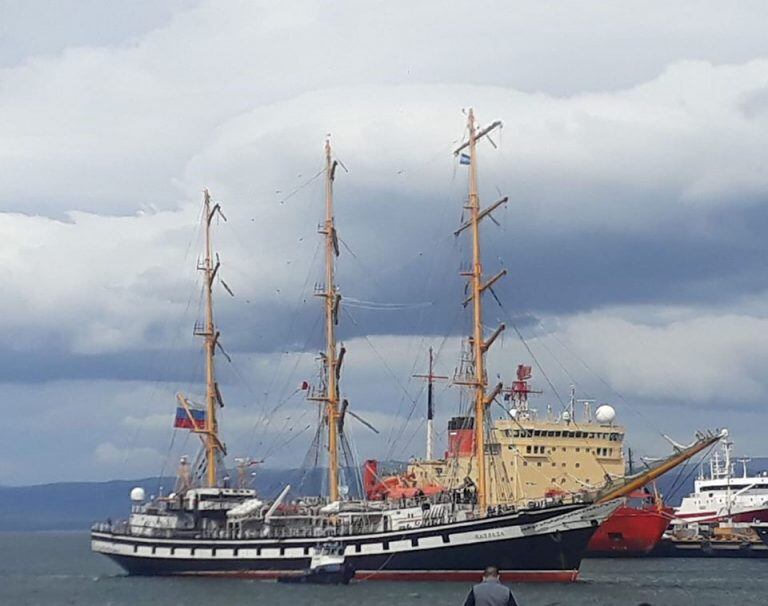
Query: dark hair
[[491, 571]]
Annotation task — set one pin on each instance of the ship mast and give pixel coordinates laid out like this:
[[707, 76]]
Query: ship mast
[[332, 299], [430, 378], [478, 342], [212, 443]]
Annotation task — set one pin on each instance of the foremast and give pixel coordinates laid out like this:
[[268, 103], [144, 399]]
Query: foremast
[[333, 357], [212, 443], [479, 344]]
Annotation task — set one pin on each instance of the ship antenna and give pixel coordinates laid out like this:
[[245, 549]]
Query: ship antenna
[[479, 344], [430, 378], [213, 445]]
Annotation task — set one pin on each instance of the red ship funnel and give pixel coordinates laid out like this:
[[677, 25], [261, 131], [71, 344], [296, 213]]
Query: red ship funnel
[[461, 437]]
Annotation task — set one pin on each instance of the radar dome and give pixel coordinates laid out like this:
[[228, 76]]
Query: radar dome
[[566, 416], [137, 494], [605, 414]]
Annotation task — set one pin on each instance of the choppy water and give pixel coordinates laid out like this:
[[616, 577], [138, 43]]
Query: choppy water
[[52, 568]]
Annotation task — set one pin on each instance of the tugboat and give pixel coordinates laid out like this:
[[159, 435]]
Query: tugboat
[[208, 528], [327, 567]]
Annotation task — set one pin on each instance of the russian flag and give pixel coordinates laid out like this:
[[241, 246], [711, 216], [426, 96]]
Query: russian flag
[[183, 421]]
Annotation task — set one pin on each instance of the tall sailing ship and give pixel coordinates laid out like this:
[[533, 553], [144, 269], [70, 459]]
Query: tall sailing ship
[[208, 528]]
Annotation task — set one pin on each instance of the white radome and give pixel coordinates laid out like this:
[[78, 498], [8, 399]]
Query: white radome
[[605, 414], [138, 494]]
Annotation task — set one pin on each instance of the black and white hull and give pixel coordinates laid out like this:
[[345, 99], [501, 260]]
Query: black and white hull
[[544, 544]]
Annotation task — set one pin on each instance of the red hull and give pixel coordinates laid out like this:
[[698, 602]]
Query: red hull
[[629, 532]]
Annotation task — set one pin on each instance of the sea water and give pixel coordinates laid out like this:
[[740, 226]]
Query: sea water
[[44, 569]]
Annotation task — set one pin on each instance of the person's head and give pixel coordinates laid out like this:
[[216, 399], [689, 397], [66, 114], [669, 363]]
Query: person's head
[[491, 572]]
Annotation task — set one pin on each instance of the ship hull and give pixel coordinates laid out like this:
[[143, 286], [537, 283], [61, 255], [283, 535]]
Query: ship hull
[[542, 545], [669, 548], [708, 517], [629, 532]]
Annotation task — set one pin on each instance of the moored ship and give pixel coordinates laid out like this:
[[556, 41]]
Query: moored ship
[[206, 527], [547, 455], [722, 495], [633, 530]]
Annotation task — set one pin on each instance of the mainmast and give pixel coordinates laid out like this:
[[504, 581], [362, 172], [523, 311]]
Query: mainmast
[[478, 342], [212, 398], [332, 297], [430, 378]]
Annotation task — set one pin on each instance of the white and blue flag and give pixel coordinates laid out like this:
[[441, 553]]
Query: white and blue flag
[[464, 159]]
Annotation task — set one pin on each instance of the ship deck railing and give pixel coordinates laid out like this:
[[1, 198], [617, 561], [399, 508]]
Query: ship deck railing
[[317, 526]]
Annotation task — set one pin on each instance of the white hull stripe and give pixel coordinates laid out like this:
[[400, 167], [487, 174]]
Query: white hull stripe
[[226, 550]]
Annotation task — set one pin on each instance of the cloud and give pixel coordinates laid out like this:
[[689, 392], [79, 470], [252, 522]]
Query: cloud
[[109, 454], [632, 153], [706, 359]]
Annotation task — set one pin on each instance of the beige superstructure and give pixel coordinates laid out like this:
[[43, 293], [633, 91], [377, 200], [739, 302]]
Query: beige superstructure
[[529, 458]]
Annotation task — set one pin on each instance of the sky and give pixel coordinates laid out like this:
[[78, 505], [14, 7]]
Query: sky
[[633, 152]]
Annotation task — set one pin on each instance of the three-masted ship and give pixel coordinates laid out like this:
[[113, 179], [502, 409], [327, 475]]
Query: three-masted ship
[[210, 528]]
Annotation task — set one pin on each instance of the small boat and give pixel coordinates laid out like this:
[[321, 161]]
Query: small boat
[[327, 567]]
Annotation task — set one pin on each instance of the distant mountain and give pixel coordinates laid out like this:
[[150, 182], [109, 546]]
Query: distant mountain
[[76, 505]]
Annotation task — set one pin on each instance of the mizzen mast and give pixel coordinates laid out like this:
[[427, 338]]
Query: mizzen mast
[[477, 286], [213, 445]]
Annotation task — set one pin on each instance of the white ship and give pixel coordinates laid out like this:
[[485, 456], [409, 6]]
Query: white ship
[[722, 495]]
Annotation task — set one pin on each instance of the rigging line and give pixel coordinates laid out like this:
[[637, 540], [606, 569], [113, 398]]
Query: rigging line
[[378, 306], [297, 189], [417, 430], [299, 357], [393, 441], [610, 388], [693, 469], [279, 434], [291, 325], [283, 353], [571, 378], [166, 459], [439, 241], [421, 342], [454, 244], [382, 360], [156, 384], [530, 352], [288, 441]]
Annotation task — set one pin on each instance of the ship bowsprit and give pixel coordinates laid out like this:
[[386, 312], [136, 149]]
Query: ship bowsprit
[[534, 545]]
